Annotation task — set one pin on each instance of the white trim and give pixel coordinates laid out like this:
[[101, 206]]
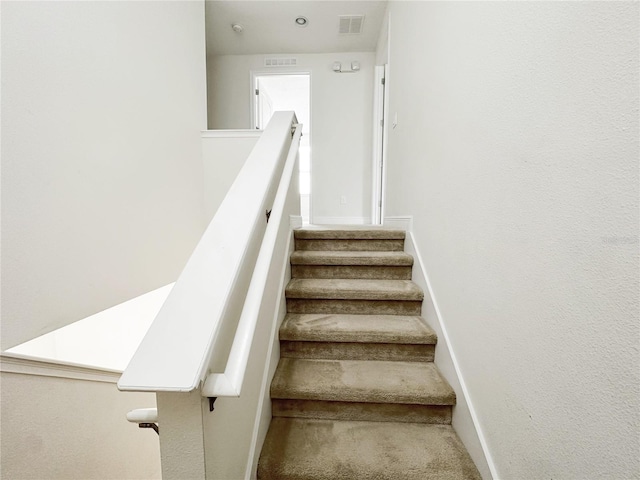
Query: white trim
[[404, 223], [412, 248], [25, 365], [295, 221], [378, 144], [341, 221], [385, 142], [231, 133]]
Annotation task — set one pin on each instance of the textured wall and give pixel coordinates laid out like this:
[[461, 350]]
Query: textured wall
[[102, 193], [516, 150], [57, 428]]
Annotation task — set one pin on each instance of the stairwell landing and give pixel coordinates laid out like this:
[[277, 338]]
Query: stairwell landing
[[356, 394]]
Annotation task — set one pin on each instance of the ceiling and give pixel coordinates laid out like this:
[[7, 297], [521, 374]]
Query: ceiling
[[269, 26]]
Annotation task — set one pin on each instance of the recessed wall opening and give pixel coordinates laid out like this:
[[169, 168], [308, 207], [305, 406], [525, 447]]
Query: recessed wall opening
[[277, 92]]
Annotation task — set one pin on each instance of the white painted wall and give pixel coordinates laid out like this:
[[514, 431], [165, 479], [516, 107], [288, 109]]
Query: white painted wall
[[382, 46], [64, 429], [223, 155], [102, 108], [516, 151], [341, 112]]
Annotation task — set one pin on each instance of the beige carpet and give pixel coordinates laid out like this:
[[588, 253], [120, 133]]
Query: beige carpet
[[356, 394]]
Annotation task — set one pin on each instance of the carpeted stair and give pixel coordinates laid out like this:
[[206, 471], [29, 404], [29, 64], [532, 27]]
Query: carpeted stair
[[356, 394]]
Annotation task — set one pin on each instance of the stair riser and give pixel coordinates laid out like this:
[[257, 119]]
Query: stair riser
[[351, 271], [350, 234], [343, 245], [360, 307], [357, 351], [354, 411]]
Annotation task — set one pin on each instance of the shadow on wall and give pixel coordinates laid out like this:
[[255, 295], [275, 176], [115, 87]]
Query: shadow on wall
[[106, 340]]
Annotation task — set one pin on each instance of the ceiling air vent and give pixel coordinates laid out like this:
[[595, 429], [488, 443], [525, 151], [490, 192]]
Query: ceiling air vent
[[350, 24], [280, 62]]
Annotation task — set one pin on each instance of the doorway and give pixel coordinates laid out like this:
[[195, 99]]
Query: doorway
[[291, 91]]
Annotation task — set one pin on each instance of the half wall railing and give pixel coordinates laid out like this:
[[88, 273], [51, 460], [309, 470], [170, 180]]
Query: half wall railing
[[175, 354], [222, 316], [229, 383]]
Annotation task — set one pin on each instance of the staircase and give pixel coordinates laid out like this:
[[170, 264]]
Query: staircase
[[356, 394]]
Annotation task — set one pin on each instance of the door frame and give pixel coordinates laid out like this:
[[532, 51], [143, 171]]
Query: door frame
[[253, 105], [380, 123], [253, 84]]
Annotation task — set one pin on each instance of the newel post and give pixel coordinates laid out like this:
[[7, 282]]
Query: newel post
[[181, 435]]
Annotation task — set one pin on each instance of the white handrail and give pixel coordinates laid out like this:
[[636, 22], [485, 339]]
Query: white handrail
[[229, 383], [175, 354], [143, 415]]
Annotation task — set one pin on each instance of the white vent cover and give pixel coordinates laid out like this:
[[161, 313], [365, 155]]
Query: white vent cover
[[280, 62], [350, 24]]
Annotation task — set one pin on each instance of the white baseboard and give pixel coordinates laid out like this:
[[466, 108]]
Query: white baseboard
[[341, 220], [231, 133], [24, 365], [295, 221], [400, 222], [465, 419]]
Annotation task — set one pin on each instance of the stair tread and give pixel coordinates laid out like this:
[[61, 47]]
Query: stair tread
[[357, 328], [354, 289], [349, 234], [337, 257], [356, 393], [326, 449], [368, 381]]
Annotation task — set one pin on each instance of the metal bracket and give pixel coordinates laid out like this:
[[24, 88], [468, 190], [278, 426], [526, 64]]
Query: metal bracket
[[293, 129], [150, 425], [268, 214], [212, 400]]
